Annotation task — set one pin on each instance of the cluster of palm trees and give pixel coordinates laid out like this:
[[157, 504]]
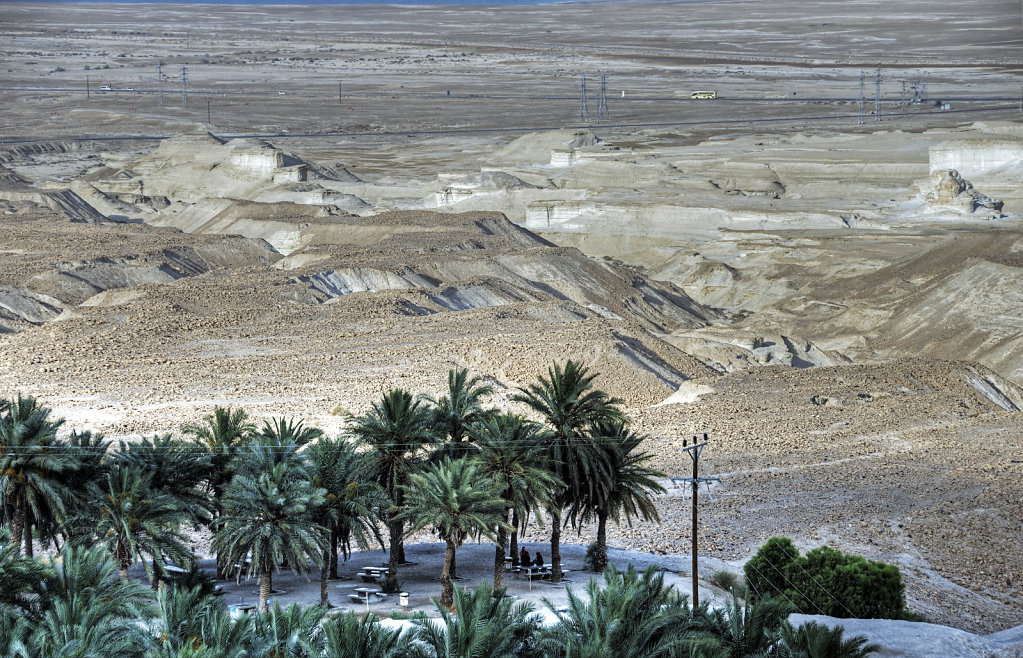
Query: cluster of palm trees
[[285, 494]]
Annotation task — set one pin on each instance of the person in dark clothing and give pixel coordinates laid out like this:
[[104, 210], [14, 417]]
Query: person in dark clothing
[[524, 557], [539, 561]]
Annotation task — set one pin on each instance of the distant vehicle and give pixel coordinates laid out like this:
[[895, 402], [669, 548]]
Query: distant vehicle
[[282, 93], [703, 94], [129, 89], [104, 88]]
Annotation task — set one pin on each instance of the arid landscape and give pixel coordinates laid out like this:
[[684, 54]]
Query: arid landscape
[[357, 198]]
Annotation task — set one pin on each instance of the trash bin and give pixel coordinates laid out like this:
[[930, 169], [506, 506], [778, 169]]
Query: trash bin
[[403, 599]]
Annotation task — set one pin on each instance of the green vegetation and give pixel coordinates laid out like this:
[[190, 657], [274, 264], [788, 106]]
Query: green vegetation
[[286, 495], [827, 581]]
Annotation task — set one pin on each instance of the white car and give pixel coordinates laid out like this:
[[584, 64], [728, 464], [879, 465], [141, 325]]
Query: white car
[[104, 88]]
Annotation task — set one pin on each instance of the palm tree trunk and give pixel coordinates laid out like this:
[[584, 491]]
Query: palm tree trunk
[[394, 538], [600, 552], [324, 572], [18, 522], [513, 549], [156, 575], [502, 538], [556, 546], [454, 568], [28, 537], [332, 558], [264, 590], [447, 590]]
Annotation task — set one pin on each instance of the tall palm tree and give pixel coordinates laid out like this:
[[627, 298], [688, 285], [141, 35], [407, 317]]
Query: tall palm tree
[[194, 624], [32, 465], [221, 434], [178, 471], [133, 520], [485, 623], [570, 405], [454, 413], [633, 616], [458, 501], [351, 507], [509, 448], [346, 636], [268, 518], [626, 493], [396, 431]]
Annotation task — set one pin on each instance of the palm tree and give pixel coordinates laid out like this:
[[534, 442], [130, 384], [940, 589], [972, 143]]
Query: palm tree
[[458, 501], [346, 636], [32, 466], [22, 582], [178, 471], [89, 612], [194, 624], [352, 504], [813, 640], [221, 434], [396, 432], [745, 630], [626, 493], [269, 517], [509, 448], [132, 519], [570, 405], [633, 616], [485, 623], [291, 632], [454, 413]]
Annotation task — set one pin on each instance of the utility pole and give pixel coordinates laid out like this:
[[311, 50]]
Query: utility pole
[[159, 79], [694, 452], [184, 87], [208, 119], [86, 87], [338, 92], [584, 113]]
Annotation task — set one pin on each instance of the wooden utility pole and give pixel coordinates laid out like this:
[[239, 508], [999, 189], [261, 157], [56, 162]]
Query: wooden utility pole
[[694, 452]]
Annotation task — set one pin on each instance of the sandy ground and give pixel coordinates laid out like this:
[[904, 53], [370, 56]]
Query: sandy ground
[[763, 228]]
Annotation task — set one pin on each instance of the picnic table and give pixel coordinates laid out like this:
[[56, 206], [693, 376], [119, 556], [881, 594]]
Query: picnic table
[[367, 592]]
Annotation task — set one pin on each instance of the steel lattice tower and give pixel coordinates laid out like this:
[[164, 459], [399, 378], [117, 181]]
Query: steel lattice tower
[[602, 110], [877, 96], [584, 112], [859, 121]]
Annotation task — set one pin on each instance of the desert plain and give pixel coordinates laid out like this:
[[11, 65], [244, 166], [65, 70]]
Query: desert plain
[[295, 209]]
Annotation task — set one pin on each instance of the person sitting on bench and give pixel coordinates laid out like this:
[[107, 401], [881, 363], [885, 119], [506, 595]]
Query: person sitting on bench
[[538, 562], [524, 557]]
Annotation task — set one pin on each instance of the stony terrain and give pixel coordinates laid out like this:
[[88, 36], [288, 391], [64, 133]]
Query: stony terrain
[[836, 305]]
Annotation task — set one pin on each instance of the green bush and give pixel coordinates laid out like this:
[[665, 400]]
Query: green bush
[[766, 571], [827, 581], [830, 582], [729, 582]]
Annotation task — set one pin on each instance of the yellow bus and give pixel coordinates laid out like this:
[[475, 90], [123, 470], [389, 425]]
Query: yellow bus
[[703, 94]]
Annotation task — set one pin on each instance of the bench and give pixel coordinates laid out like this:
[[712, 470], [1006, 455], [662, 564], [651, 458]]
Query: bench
[[369, 577]]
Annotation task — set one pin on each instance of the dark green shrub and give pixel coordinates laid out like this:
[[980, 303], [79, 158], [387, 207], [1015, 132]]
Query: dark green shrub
[[830, 582], [766, 571]]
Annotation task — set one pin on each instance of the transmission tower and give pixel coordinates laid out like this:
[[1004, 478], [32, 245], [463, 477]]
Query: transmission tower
[[877, 96], [184, 87], [602, 110], [694, 452], [159, 78], [584, 112], [859, 121]]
